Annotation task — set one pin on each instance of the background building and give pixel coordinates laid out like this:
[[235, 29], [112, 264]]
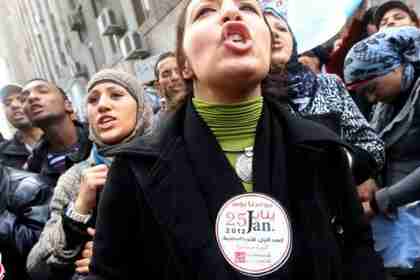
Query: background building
[[67, 41]]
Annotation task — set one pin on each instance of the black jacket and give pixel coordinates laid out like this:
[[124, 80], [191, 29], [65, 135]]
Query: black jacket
[[38, 161], [163, 194], [24, 201], [13, 152]]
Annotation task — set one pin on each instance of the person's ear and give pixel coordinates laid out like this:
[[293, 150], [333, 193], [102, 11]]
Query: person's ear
[[68, 107]]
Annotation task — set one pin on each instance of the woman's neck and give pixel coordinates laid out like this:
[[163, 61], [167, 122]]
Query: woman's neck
[[224, 95], [233, 125]]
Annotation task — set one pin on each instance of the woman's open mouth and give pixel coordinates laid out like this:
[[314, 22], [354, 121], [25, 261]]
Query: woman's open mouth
[[106, 122], [236, 37]]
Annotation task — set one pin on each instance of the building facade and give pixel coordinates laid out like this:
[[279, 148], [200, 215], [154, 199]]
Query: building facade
[[67, 41]]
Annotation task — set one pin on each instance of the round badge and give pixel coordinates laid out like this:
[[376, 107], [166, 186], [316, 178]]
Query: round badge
[[254, 234], [2, 270]]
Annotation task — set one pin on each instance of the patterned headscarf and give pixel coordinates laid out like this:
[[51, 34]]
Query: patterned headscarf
[[302, 83], [276, 7], [382, 53]]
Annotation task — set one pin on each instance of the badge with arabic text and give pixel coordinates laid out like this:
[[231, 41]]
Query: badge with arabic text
[[2, 270], [254, 234]]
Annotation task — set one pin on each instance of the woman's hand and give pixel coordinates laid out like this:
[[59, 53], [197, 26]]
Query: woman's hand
[[82, 265], [369, 213], [367, 190], [93, 180]]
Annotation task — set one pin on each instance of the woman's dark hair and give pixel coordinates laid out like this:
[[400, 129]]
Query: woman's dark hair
[[368, 18], [275, 86], [179, 50], [160, 58]]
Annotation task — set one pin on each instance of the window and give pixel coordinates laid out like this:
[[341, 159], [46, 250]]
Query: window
[[72, 4], [141, 9]]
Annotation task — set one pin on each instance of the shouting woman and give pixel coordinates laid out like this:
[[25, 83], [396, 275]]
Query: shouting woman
[[233, 186], [117, 113]]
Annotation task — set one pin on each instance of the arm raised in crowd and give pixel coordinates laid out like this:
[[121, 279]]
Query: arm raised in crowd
[[58, 245], [403, 192]]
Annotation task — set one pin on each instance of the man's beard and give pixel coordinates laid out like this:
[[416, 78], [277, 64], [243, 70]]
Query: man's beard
[[174, 100]]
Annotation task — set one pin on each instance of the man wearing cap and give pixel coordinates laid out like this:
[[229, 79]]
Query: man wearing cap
[[65, 140], [395, 14], [15, 152]]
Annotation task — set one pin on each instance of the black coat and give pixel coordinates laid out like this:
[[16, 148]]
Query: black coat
[[158, 209], [13, 152], [24, 199]]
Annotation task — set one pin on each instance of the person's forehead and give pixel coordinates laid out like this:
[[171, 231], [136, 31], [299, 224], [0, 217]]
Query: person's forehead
[[35, 84], [194, 3], [273, 19], [394, 11], [106, 86], [10, 95], [166, 63]]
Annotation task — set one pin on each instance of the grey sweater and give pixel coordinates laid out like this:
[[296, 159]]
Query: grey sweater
[[51, 248]]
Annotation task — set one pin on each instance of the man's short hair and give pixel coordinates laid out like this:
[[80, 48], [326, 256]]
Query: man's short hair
[[160, 58], [45, 80]]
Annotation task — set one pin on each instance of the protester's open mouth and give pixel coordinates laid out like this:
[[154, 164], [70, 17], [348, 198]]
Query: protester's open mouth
[[18, 115], [105, 122], [277, 46], [236, 37]]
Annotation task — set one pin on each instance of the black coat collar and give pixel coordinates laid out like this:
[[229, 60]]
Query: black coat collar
[[302, 132]]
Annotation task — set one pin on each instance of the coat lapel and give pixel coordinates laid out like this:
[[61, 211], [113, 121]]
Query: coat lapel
[[218, 180], [269, 157], [171, 191]]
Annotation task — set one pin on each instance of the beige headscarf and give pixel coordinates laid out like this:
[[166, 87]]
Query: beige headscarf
[[133, 86]]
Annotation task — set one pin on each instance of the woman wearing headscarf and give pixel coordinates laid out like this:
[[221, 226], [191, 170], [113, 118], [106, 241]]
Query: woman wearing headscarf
[[230, 145], [386, 66], [117, 113], [324, 98]]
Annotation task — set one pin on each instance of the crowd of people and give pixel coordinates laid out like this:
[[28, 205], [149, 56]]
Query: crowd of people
[[326, 139]]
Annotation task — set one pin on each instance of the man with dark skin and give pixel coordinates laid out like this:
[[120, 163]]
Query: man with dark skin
[[65, 141], [15, 152]]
